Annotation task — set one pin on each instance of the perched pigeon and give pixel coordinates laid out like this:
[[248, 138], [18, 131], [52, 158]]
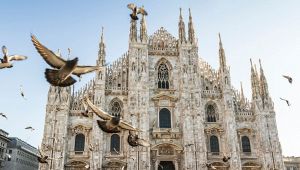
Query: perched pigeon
[[209, 165], [61, 75], [8, 156], [6, 60], [42, 158], [287, 102], [136, 11], [226, 158], [29, 128], [3, 115], [290, 79], [134, 140], [109, 124]]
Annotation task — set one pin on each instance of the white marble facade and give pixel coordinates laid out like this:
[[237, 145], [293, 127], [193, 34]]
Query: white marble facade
[[188, 111]]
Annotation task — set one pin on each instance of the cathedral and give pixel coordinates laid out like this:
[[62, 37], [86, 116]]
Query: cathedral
[[189, 112]]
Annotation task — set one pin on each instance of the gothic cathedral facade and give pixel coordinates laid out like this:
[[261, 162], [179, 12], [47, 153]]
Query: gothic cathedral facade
[[189, 112]]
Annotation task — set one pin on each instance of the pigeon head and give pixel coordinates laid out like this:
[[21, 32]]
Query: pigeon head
[[4, 50]]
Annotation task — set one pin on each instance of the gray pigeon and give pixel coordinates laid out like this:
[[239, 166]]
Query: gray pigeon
[[42, 158], [109, 124], [61, 75], [6, 60], [29, 128]]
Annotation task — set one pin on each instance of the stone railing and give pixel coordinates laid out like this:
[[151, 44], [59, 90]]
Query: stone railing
[[245, 116], [166, 133], [211, 94], [116, 90]]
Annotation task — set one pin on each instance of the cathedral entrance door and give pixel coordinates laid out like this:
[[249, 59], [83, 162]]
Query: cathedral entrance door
[[166, 165]]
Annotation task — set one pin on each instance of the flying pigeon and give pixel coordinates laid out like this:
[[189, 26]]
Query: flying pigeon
[[116, 151], [61, 74], [22, 92], [190, 144], [6, 60], [109, 124], [87, 166], [136, 11], [42, 158], [287, 102], [134, 140], [3, 115], [290, 79], [29, 128]]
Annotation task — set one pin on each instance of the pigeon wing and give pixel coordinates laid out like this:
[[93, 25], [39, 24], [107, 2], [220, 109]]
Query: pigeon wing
[[142, 11], [125, 125], [49, 56], [287, 77], [16, 57], [131, 6], [4, 65], [84, 69], [99, 112]]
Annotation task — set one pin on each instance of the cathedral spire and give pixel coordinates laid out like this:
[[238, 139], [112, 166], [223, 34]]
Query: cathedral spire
[[181, 29], [133, 31], [191, 30], [242, 95], [222, 57], [101, 52], [263, 83], [143, 30], [254, 82]]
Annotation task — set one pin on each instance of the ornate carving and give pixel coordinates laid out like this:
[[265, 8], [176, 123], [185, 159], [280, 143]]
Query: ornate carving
[[163, 43], [165, 150]]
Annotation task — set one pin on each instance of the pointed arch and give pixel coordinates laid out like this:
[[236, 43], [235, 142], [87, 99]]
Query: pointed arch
[[115, 144], [246, 144], [214, 144], [163, 68], [211, 112], [79, 143]]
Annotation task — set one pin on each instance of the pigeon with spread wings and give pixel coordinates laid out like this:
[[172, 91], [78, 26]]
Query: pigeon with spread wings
[[61, 74], [6, 60], [136, 11], [290, 79], [134, 140], [109, 124], [3, 115], [287, 102]]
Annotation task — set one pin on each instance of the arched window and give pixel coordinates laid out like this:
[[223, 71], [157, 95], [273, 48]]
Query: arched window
[[246, 144], [211, 113], [79, 143], [214, 145], [163, 76], [115, 144], [164, 118], [116, 107]]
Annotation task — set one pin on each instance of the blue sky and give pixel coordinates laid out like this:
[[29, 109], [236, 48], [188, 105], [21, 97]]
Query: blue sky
[[268, 29]]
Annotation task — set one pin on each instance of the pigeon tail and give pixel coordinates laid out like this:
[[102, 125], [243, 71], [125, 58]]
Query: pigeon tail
[[52, 77]]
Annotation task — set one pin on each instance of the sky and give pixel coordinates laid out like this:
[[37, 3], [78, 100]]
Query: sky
[[268, 30]]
